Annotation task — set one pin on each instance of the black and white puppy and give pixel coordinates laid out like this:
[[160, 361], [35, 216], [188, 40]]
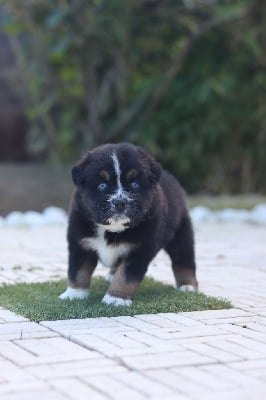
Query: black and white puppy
[[124, 210]]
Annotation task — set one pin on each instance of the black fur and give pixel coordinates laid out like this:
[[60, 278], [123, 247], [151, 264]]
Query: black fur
[[156, 214]]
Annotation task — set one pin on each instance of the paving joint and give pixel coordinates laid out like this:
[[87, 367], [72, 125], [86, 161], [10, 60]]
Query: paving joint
[[187, 356]]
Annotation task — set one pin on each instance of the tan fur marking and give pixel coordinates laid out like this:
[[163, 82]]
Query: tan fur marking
[[83, 277], [105, 175], [119, 287], [131, 174], [183, 276], [113, 269]]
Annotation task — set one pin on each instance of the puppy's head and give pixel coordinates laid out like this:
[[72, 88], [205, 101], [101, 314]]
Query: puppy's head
[[116, 183]]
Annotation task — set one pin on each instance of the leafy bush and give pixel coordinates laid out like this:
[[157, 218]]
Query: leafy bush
[[210, 129], [185, 78]]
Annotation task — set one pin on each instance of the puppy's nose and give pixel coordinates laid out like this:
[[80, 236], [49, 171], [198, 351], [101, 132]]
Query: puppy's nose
[[119, 204]]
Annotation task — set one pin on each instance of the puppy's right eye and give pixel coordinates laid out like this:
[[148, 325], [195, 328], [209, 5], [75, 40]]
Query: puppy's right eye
[[134, 185], [102, 186]]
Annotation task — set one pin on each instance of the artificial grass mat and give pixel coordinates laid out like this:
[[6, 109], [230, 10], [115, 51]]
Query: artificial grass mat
[[39, 301]]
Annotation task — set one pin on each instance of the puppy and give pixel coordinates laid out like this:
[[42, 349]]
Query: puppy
[[124, 210]]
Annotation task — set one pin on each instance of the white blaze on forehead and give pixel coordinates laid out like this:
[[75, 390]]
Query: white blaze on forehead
[[120, 192], [118, 173]]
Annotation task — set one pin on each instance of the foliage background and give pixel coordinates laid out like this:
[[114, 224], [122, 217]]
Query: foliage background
[[185, 78]]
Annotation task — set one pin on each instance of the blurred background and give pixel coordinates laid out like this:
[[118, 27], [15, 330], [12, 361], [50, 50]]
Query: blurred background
[[184, 78]]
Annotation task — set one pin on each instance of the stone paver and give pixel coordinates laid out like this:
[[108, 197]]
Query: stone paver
[[187, 356]]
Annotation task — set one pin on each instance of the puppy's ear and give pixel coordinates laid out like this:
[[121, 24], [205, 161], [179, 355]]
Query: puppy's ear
[[156, 171], [154, 168], [79, 170]]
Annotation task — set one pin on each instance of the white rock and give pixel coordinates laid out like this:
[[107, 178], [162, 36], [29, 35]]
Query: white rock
[[54, 216], [232, 215], [243, 215], [15, 218], [200, 214], [258, 214], [33, 218]]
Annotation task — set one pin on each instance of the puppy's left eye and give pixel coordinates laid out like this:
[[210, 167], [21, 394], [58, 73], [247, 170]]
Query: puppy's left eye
[[134, 185], [102, 186]]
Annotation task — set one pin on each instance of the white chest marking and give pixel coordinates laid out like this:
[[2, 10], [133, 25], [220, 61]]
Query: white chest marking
[[108, 254]]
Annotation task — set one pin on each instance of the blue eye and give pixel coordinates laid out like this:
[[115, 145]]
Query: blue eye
[[102, 186], [134, 185]]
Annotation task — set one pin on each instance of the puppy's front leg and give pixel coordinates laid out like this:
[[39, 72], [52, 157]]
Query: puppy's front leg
[[81, 266], [124, 284]]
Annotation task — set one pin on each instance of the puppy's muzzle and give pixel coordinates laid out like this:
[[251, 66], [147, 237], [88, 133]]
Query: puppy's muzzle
[[119, 204]]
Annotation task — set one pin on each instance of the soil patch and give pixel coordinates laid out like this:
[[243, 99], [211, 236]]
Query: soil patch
[[26, 187]]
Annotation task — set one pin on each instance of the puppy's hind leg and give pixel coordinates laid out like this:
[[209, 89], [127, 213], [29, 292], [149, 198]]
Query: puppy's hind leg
[[182, 254]]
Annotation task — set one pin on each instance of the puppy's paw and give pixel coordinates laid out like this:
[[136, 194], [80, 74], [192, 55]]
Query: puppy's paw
[[187, 288], [116, 301], [74, 293]]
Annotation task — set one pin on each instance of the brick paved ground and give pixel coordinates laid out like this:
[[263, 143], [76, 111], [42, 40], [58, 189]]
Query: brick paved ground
[[200, 355]]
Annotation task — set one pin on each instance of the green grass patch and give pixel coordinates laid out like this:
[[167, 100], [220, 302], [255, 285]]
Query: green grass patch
[[39, 301]]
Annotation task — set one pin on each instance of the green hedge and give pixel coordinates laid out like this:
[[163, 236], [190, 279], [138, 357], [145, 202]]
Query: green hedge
[[186, 79]]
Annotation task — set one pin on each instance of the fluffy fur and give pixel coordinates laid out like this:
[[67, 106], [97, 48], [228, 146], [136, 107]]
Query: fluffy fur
[[124, 210]]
